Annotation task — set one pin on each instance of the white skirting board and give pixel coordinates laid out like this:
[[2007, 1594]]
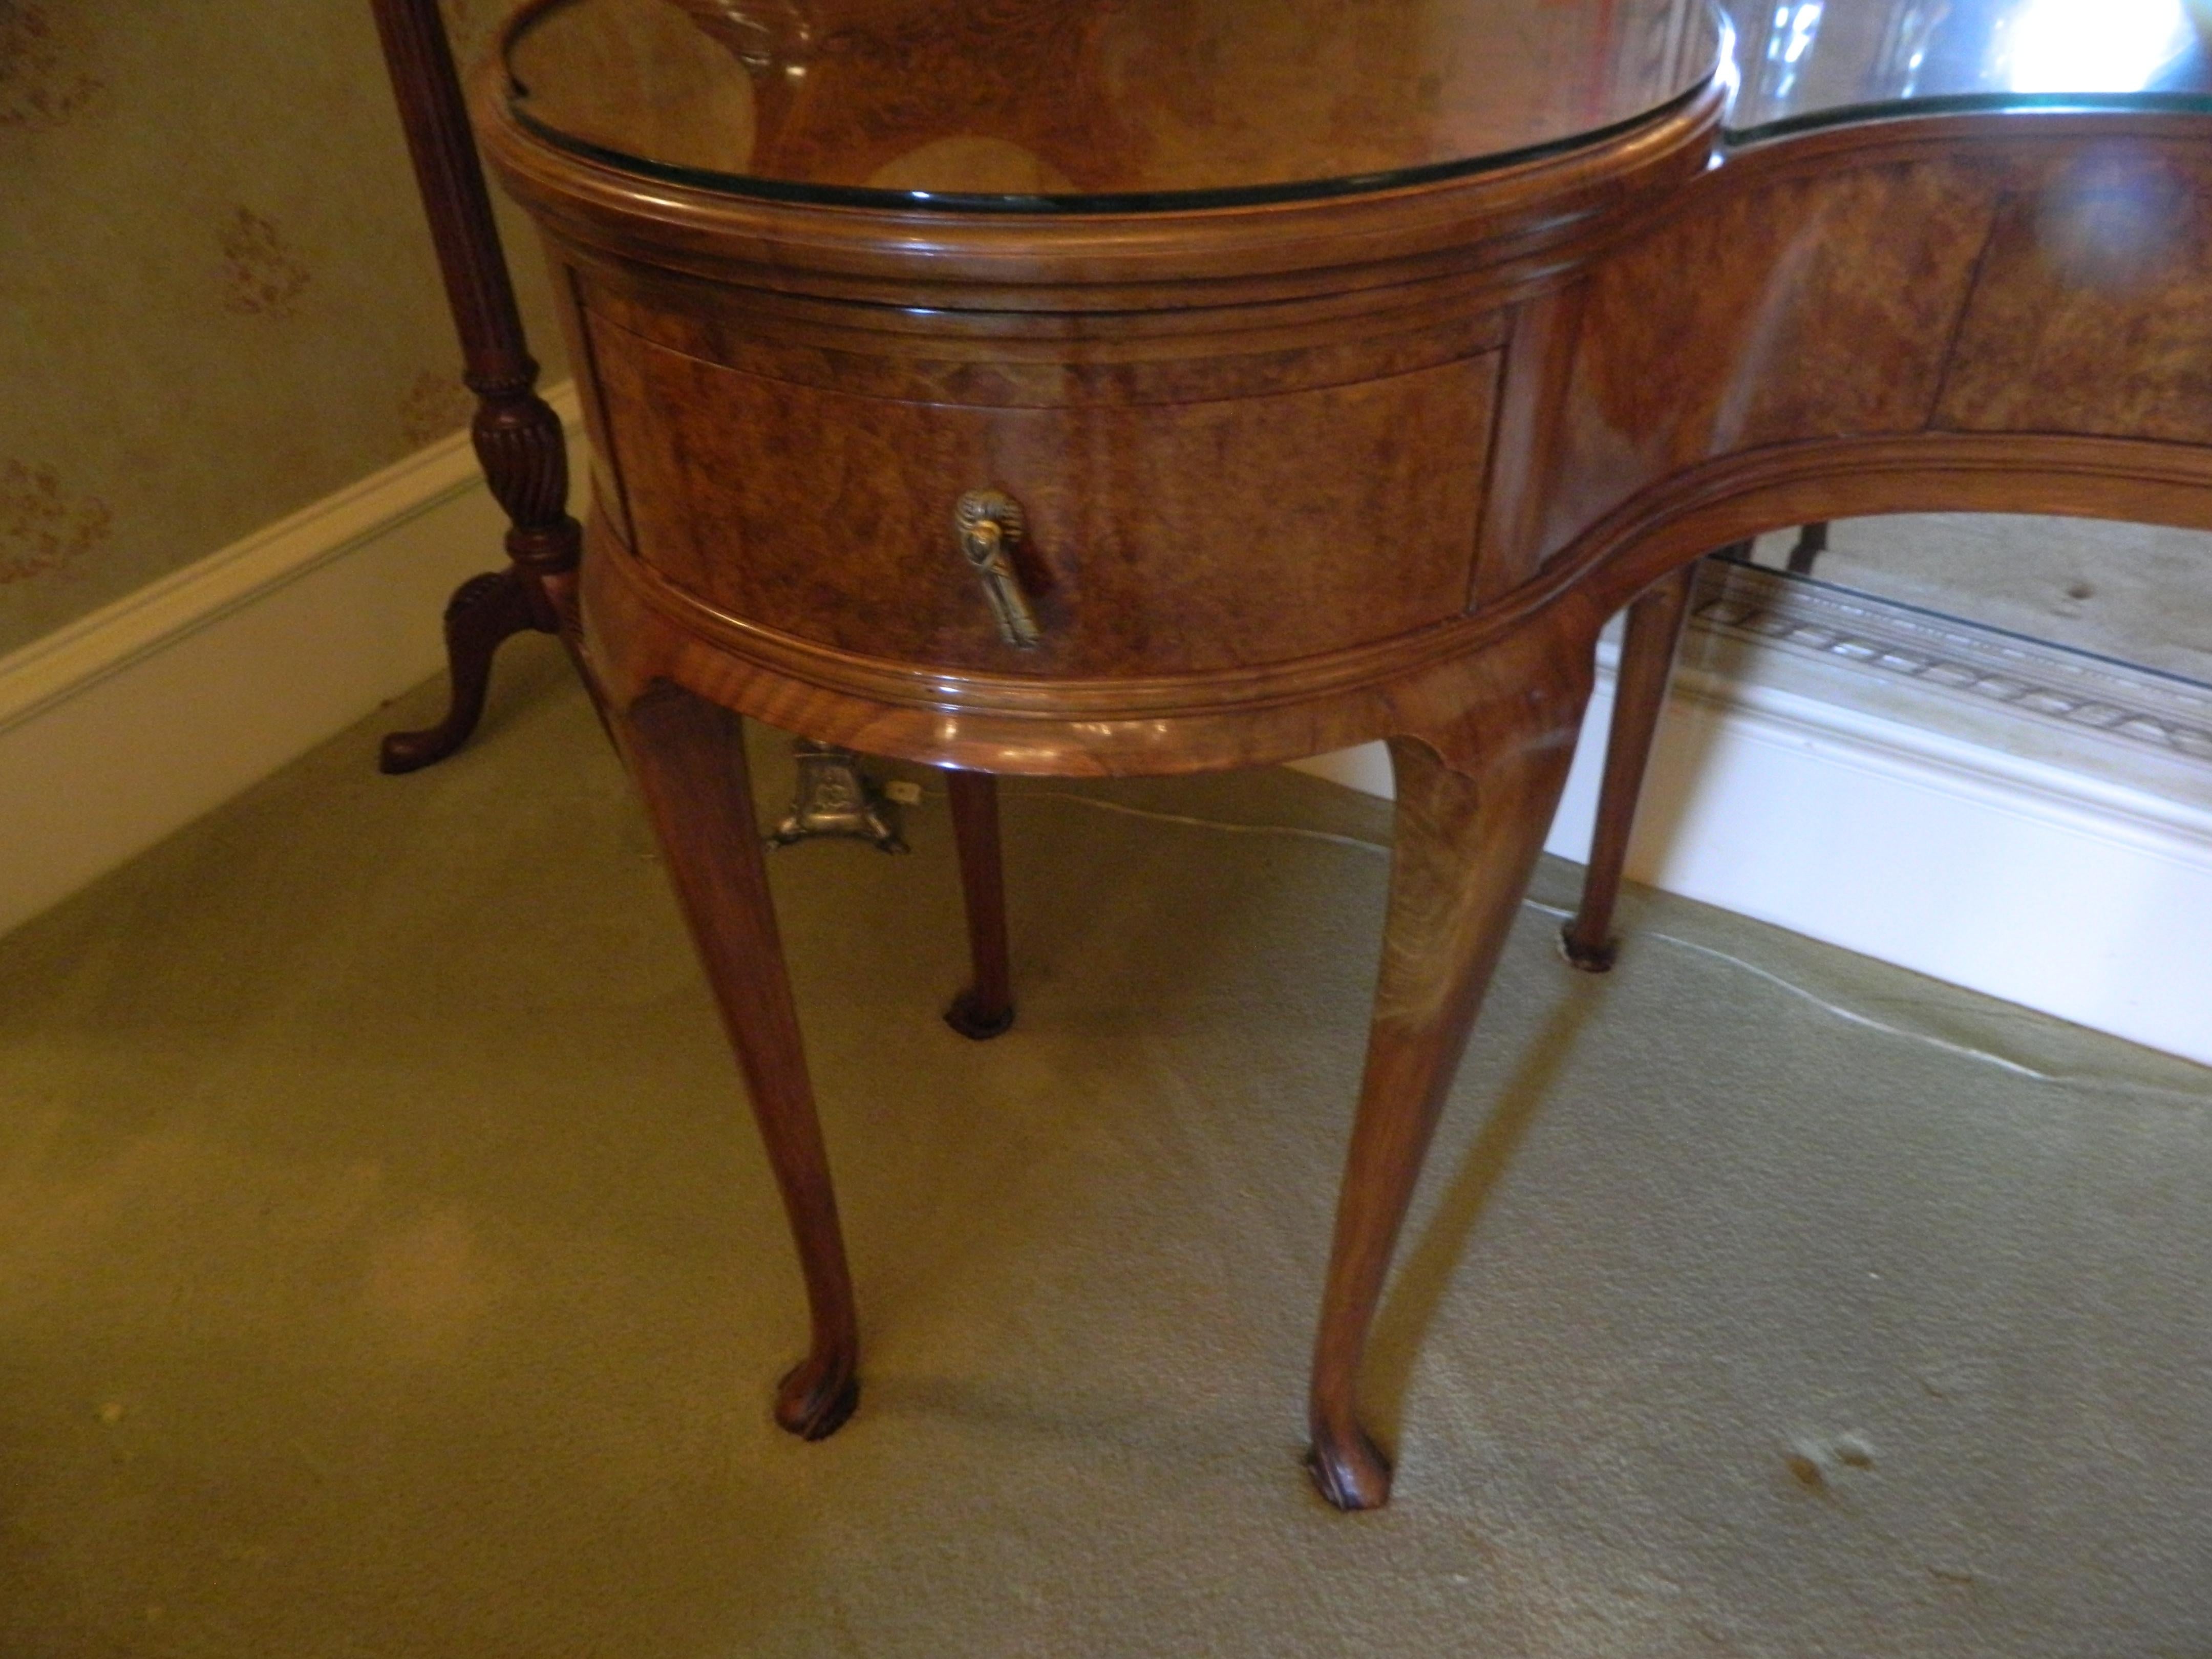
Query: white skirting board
[[2040, 885], [126, 726]]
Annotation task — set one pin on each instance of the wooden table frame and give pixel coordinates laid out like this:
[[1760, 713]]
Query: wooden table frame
[[1680, 345]]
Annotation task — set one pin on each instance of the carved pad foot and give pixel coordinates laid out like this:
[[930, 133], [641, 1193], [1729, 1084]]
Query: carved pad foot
[[814, 1399], [1349, 1471], [972, 1018]]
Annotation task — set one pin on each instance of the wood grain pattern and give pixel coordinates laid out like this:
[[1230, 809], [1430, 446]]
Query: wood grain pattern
[[687, 758], [1525, 462], [1822, 309], [1030, 360], [640, 628], [1474, 803], [829, 517], [1306, 474], [2035, 273], [882, 77], [2092, 311]]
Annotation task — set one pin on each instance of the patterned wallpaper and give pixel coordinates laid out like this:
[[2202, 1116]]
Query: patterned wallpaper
[[218, 298]]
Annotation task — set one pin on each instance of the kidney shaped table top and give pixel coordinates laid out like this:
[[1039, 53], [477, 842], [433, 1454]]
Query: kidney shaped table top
[[1097, 386]]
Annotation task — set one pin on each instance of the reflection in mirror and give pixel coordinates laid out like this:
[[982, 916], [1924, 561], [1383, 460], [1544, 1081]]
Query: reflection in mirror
[[1800, 59], [2102, 46], [637, 75], [2074, 644], [2128, 592]]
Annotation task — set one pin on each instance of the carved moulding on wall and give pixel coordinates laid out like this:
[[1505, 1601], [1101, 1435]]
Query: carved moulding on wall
[[1954, 661]]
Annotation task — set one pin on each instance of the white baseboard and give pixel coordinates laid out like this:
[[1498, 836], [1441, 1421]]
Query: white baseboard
[[126, 726], [1969, 861]]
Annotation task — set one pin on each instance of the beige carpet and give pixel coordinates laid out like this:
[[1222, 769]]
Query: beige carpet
[[387, 1268]]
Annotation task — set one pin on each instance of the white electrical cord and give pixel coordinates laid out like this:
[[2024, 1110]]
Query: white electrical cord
[[1850, 1016]]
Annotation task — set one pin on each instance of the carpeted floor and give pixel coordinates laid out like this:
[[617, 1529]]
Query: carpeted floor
[[387, 1267]]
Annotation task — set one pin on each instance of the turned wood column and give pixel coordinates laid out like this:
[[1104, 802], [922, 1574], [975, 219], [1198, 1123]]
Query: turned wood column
[[518, 437]]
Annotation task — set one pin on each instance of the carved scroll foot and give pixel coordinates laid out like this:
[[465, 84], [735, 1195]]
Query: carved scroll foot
[[1646, 659], [817, 1396], [688, 757], [1347, 1468], [1473, 804], [985, 1008], [483, 613]]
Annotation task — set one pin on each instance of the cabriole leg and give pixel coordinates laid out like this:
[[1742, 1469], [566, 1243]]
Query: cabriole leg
[[1468, 832], [986, 1007], [688, 757], [1646, 661]]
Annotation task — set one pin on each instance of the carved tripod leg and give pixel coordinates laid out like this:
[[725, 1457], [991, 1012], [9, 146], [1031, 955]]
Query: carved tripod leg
[[1646, 659], [1468, 831], [688, 757], [484, 611], [519, 440], [986, 1007]]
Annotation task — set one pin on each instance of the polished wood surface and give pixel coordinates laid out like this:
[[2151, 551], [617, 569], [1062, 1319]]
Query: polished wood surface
[[518, 438], [1289, 475], [1473, 804], [687, 756], [985, 1007], [801, 507], [1647, 658], [1873, 290]]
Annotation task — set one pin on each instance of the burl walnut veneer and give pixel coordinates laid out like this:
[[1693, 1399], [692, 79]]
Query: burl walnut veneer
[[1106, 386]]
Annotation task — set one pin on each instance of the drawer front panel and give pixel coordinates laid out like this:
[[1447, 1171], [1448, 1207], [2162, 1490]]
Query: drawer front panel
[[1160, 539]]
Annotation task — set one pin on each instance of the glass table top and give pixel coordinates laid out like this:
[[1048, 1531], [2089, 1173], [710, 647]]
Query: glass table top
[[1812, 63], [1075, 105], [1094, 103]]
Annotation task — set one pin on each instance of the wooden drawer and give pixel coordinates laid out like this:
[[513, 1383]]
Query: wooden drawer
[[1163, 537]]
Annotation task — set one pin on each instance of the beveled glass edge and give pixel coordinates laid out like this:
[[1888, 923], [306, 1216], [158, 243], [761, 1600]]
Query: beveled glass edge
[[1971, 103], [746, 187]]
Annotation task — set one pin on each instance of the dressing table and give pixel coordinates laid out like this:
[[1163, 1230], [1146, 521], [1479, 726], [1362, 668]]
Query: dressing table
[[1086, 387]]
